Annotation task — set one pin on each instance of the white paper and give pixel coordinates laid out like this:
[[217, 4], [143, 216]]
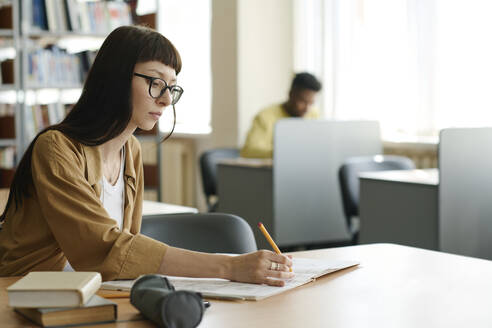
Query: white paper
[[305, 271]]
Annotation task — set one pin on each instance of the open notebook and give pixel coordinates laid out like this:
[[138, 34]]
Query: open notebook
[[306, 270]]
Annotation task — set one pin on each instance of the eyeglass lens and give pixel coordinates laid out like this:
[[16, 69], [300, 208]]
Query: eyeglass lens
[[158, 87]]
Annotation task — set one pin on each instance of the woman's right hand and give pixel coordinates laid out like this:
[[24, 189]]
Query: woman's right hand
[[261, 267]]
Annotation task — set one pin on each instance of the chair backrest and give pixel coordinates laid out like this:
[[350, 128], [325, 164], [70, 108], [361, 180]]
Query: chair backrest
[[204, 232], [208, 168], [348, 176]]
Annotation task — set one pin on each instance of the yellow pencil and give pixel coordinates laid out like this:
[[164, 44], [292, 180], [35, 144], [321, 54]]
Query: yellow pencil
[[269, 239]]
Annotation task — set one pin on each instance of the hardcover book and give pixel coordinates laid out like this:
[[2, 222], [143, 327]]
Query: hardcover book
[[53, 289], [96, 310]]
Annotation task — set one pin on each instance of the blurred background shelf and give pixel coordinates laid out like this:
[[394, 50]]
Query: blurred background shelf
[[7, 142], [46, 51], [6, 32]]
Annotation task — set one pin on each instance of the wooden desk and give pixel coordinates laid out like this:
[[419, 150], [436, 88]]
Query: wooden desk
[[395, 286], [399, 207], [150, 208]]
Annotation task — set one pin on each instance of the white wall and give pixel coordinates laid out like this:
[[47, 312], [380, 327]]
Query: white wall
[[265, 57], [224, 73], [252, 67]]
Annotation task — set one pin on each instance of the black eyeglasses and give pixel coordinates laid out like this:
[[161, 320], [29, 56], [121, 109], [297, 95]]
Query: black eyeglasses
[[158, 86]]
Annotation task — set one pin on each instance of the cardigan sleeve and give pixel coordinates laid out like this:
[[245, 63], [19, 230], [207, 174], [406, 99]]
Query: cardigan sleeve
[[88, 237]]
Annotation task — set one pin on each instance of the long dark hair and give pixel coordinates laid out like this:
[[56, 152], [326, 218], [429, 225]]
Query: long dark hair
[[104, 108]]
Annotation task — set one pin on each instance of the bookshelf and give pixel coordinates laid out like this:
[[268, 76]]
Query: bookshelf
[[51, 74], [10, 121], [46, 50]]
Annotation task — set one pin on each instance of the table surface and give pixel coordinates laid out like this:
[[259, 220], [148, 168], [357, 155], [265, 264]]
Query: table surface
[[153, 208], [425, 176], [149, 207], [394, 286], [247, 162]]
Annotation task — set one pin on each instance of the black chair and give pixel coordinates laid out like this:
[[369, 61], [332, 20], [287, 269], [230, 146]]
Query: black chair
[[348, 176], [205, 232], [208, 168]]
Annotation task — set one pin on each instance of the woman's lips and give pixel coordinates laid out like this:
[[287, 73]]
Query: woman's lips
[[155, 115]]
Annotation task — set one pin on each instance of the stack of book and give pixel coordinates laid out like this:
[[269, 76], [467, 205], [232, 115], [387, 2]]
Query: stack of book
[[61, 298]]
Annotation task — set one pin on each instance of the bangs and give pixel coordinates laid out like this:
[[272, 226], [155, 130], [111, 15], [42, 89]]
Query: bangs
[[158, 48]]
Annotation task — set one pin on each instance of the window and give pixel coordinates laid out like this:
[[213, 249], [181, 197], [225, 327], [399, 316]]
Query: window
[[416, 66]]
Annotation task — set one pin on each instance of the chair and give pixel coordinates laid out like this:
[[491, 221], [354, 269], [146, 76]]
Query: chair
[[348, 177], [205, 232], [208, 168]]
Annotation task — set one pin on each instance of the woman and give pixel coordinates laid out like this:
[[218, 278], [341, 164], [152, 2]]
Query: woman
[[76, 198]]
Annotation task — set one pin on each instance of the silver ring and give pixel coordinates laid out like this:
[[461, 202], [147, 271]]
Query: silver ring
[[274, 266]]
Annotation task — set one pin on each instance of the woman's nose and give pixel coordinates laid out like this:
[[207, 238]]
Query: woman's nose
[[165, 99]]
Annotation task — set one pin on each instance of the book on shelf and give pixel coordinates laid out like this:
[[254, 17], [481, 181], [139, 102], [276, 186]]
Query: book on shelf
[[39, 19], [43, 115], [61, 18], [7, 121], [6, 178], [86, 59], [72, 14], [7, 126], [118, 13], [79, 16], [96, 310], [7, 109], [7, 157], [51, 15], [53, 66], [306, 270], [6, 16], [43, 289], [29, 125], [38, 117], [7, 71]]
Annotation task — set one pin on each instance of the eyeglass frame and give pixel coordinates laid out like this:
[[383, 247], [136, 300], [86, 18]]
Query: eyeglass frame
[[151, 79]]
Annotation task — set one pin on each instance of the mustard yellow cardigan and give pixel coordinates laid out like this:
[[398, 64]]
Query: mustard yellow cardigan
[[64, 218]]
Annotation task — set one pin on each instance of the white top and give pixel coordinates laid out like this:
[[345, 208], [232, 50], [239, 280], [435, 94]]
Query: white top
[[112, 198]]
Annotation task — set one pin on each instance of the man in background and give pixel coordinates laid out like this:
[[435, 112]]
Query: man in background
[[302, 94]]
